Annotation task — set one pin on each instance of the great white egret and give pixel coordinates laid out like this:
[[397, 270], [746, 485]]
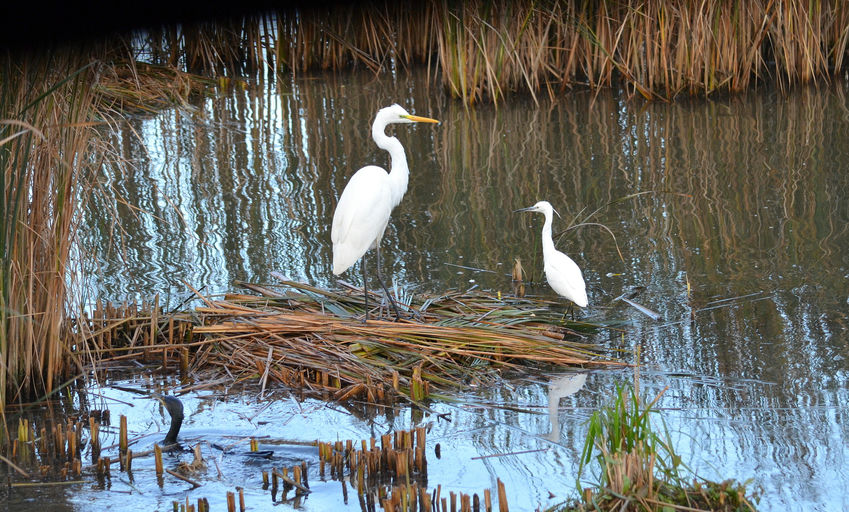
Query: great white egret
[[562, 273], [363, 210]]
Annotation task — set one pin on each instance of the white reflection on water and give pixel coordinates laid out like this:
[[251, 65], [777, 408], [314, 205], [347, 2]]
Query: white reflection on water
[[559, 387]]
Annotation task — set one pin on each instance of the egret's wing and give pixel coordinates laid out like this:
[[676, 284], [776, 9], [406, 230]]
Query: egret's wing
[[565, 277], [360, 217]]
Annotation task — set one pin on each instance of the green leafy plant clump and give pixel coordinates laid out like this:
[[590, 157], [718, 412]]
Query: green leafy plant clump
[[638, 469]]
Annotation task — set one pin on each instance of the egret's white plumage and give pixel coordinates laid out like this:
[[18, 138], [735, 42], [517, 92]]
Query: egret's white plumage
[[562, 273], [362, 213], [361, 216]]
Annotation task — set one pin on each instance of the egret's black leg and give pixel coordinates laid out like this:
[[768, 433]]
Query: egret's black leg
[[570, 309], [380, 278], [365, 286]]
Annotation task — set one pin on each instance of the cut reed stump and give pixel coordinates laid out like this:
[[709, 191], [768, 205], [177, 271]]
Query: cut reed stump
[[312, 338]]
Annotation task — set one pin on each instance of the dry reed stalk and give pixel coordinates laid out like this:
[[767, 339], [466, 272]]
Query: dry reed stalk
[[46, 149], [303, 345], [157, 455], [484, 50], [502, 497]]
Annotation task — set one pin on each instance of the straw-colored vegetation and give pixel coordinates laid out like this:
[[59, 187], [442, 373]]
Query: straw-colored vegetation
[[46, 149], [51, 108], [486, 49], [639, 469], [308, 338], [131, 87]]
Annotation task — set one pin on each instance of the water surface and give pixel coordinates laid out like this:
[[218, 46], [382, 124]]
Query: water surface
[[731, 213]]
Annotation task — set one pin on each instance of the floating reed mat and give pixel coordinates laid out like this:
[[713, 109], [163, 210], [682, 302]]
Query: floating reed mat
[[140, 88], [313, 338]]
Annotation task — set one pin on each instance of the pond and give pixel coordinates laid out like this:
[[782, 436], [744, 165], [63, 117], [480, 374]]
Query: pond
[[730, 216]]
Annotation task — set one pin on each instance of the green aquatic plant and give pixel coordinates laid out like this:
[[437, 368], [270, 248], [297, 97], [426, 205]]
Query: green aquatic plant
[[639, 468]]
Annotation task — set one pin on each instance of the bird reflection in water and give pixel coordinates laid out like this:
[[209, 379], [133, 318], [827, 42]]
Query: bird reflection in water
[[561, 386]]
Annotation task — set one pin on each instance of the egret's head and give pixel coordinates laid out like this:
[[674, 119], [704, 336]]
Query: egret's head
[[396, 114], [543, 207]]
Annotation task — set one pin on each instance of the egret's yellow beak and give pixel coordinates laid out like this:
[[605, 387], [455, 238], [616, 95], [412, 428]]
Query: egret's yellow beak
[[419, 119]]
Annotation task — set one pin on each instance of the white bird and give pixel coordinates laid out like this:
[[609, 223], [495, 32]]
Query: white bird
[[562, 273], [559, 387], [363, 210]]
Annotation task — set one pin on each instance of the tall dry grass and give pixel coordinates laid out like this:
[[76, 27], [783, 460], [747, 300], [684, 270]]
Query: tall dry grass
[[224, 47], [46, 137], [377, 36], [655, 49], [484, 49]]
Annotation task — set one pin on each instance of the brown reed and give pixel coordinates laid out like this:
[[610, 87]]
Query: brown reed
[[292, 338], [130, 87], [47, 145], [483, 50], [392, 472]]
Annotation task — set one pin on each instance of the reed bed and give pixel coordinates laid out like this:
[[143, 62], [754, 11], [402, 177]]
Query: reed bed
[[389, 472], [52, 108], [392, 474], [481, 50], [235, 46], [313, 339], [47, 147]]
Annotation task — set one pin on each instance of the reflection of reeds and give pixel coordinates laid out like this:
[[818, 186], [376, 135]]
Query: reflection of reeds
[[45, 149], [485, 49]]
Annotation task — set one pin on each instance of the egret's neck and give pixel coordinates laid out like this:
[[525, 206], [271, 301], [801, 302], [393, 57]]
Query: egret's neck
[[547, 242], [399, 173]]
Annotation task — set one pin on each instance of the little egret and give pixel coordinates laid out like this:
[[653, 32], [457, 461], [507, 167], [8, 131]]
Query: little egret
[[562, 273], [363, 210]]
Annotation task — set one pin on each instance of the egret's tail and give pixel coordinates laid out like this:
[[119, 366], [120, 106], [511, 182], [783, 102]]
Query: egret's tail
[[581, 300], [343, 258]]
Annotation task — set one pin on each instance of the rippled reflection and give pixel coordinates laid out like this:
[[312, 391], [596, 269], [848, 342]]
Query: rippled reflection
[[561, 386], [731, 213]]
